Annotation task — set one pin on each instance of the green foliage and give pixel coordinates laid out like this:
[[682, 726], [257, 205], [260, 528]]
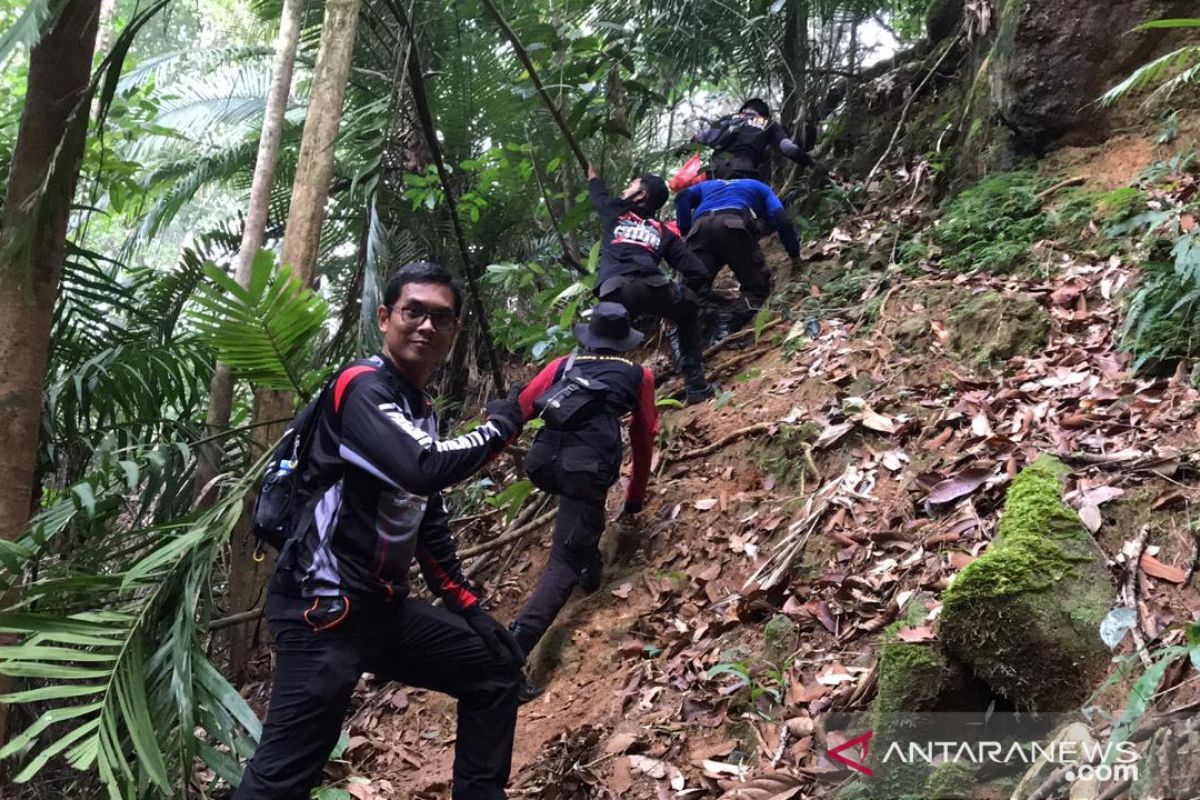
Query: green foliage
[[1170, 72], [129, 692], [512, 498], [264, 332], [762, 688], [992, 225], [1162, 321]]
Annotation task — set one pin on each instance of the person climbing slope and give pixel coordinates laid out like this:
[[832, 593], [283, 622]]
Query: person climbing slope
[[371, 485], [740, 142], [718, 218], [633, 244], [577, 457]]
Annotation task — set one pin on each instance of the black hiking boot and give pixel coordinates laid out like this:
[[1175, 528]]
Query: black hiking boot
[[698, 393], [529, 691], [592, 574]]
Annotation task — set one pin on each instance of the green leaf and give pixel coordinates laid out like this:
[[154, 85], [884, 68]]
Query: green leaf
[[760, 321], [1157, 24], [512, 498], [1140, 696], [266, 331], [668, 402], [1193, 644]]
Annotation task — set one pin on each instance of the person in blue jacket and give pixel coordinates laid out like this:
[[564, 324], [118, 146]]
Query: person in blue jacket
[[719, 219]]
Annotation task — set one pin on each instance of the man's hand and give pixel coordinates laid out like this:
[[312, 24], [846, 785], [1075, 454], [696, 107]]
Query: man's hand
[[497, 638], [507, 414], [592, 172]]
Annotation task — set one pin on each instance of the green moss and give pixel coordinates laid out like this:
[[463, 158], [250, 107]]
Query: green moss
[[950, 781], [910, 676], [994, 327], [780, 636], [992, 225], [1025, 616]]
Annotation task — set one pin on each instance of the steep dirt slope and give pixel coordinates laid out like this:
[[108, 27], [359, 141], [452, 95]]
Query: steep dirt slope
[[862, 458]]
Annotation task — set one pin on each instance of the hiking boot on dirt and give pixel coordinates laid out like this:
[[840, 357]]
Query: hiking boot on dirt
[[529, 691], [698, 393], [591, 575]]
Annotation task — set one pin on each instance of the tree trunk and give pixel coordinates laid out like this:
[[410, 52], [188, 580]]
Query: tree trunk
[[425, 116], [302, 237], [795, 72], [220, 403], [59, 75]]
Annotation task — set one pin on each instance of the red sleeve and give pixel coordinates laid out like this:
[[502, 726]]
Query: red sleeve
[[536, 387], [642, 430]]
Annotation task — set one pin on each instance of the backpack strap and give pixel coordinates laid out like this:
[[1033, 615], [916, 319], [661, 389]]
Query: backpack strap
[[606, 358]]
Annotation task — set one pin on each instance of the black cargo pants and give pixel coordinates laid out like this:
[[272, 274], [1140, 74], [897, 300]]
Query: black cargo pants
[[580, 473], [653, 294], [729, 238], [323, 646]]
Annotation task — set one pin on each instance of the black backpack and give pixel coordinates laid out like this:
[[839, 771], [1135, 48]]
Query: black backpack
[[279, 498], [572, 400]]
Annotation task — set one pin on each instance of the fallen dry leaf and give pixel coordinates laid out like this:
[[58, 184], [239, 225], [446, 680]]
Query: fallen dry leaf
[[623, 591], [707, 504], [832, 434], [776, 786], [1091, 517], [960, 485], [878, 422], [1157, 569], [921, 634], [651, 767]]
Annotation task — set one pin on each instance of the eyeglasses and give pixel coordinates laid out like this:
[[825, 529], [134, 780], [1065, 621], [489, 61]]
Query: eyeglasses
[[443, 319]]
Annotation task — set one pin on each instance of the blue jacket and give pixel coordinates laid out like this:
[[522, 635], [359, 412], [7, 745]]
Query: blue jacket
[[741, 194]]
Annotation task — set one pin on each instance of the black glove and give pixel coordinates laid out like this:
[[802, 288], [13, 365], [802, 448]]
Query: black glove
[[497, 638], [507, 414], [632, 507]]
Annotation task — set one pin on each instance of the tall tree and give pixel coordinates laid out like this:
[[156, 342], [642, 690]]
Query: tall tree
[[33, 233], [302, 236], [220, 402]]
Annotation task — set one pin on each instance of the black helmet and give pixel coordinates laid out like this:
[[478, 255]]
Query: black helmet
[[656, 192], [758, 106]]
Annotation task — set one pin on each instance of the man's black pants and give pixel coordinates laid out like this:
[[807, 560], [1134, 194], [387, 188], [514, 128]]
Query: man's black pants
[[580, 474], [722, 238], [320, 654], [655, 295]]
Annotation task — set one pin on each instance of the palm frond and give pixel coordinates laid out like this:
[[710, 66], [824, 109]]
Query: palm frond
[[1160, 70], [35, 19], [132, 697], [265, 331]]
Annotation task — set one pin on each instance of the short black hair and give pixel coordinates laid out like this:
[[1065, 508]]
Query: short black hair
[[656, 191], [421, 272], [758, 106]]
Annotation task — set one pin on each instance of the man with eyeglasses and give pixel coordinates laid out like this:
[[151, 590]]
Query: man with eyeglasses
[[370, 503]]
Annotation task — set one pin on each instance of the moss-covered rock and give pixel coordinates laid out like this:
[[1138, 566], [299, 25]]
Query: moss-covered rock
[[994, 327], [1025, 616], [915, 679], [950, 781]]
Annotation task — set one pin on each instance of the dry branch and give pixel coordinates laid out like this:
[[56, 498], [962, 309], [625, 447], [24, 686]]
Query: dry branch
[[708, 449], [500, 541]]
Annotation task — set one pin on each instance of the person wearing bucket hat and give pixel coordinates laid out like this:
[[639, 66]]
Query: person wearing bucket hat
[[633, 245], [577, 456], [740, 142]]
